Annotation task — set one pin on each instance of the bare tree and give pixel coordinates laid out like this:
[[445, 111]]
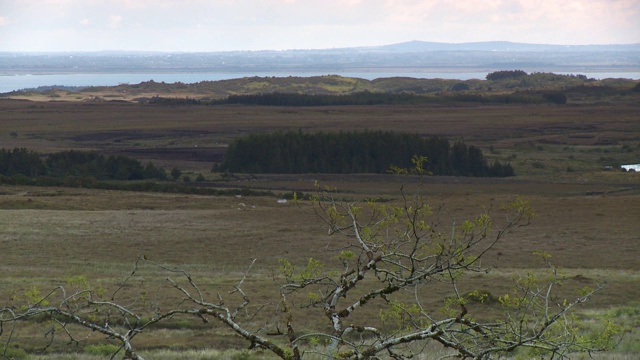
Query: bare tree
[[391, 256]]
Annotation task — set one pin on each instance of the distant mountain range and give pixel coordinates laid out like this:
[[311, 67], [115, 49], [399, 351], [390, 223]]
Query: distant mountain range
[[422, 46], [412, 56]]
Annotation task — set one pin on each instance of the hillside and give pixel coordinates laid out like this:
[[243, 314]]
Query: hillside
[[574, 87]]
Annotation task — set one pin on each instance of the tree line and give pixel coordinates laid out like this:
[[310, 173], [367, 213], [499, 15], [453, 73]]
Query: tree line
[[358, 98], [73, 163], [505, 74], [355, 152], [403, 98], [368, 98]]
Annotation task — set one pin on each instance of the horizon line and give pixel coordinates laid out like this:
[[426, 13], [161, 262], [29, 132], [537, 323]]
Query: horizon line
[[320, 49]]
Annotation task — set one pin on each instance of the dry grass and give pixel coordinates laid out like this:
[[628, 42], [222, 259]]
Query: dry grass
[[581, 138], [587, 220], [99, 234]]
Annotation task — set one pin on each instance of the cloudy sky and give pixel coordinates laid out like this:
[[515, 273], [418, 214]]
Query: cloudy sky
[[221, 25]]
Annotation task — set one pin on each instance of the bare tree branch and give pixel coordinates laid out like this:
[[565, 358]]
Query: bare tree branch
[[391, 254]]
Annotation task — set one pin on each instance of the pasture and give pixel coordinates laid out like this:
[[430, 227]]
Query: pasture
[[587, 217]]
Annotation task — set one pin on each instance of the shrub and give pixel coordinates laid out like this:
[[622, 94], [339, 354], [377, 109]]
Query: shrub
[[460, 87], [88, 182], [101, 349], [555, 97], [13, 353], [176, 173]]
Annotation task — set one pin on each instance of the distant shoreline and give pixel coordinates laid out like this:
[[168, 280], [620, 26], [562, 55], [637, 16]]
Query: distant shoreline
[[326, 71], [410, 59], [14, 82]]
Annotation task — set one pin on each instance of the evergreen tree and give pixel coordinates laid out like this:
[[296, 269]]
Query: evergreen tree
[[351, 152]]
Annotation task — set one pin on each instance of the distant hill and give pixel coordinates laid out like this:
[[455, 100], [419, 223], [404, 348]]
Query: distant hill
[[502, 86], [422, 46]]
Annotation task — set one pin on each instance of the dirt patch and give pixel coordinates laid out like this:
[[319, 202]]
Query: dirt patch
[[119, 136], [202, 154], [113, 136]]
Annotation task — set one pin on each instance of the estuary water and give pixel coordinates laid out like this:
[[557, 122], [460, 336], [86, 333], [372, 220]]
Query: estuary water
[[18, 82]]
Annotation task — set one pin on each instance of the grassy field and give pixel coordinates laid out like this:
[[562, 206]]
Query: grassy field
[[545, 140], [587, 217]]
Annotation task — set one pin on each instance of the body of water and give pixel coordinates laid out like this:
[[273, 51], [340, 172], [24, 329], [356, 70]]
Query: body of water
[[18, 82]]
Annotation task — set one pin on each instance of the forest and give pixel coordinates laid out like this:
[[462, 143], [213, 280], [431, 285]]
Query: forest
[[355, 152], [23, 162]]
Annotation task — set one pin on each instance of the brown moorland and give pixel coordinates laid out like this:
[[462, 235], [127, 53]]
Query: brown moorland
[[536, 139], [587, 215]]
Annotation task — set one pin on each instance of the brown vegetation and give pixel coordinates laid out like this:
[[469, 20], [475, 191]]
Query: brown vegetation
[[587, 217]]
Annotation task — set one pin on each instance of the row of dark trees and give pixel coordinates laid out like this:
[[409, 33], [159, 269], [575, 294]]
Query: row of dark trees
[[505, 74], [77, 164], [370, 98], [359, 98], [355, 152]]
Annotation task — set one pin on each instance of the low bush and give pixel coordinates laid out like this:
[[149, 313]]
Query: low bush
[[13, 353], [101, 349]]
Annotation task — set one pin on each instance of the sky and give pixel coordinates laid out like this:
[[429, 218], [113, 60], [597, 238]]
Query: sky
[[225, 25]]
